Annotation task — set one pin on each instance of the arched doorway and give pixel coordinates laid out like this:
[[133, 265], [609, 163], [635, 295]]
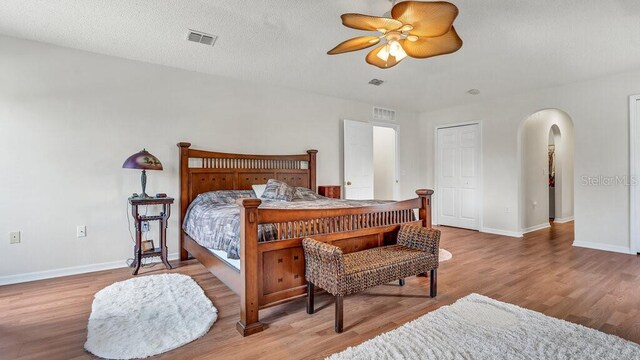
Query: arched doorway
[[546, 145]]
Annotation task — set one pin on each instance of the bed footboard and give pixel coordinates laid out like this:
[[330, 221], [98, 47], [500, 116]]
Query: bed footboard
[[273, 272]]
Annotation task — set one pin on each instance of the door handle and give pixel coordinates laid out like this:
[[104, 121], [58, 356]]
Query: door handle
[[348, 183]]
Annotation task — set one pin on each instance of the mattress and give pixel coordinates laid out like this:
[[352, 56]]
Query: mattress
[[213, 218], [223, 255]]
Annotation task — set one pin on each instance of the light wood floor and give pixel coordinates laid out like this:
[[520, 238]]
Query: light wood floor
[[543, 272]]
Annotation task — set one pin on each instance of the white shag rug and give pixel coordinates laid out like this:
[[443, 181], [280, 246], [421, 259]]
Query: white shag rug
[[444, 255], [478, 327], [148, 315]]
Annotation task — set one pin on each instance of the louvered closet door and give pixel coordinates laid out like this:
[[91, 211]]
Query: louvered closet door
[[458, 165]]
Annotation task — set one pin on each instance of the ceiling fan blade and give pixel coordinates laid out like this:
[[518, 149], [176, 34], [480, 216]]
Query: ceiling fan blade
[[354, 44], [371, 23], [428, 47], [373, 59], [430, 19]]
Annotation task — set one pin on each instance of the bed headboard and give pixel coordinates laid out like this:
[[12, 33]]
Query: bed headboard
[[202, 171]]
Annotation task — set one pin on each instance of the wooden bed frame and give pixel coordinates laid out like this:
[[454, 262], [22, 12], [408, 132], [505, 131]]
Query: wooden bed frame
[[273, 272]]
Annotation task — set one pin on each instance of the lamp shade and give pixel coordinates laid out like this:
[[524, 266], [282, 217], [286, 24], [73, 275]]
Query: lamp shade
[[143, 161]]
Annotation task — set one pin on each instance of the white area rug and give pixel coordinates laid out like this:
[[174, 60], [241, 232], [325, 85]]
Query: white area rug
[[444, 255], [148, 315], [478, 327]]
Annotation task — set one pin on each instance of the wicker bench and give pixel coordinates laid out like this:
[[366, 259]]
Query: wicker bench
[[416, 252]]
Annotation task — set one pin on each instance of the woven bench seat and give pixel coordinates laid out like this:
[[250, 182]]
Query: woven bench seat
[[416, 252], [377, 266]]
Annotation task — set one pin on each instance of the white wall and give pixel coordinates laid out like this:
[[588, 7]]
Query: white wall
[[600, 112], [534, 143], [384, 162], [68, 120]]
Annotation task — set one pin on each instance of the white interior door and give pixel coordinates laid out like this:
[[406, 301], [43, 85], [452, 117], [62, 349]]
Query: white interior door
[[458, 176], [358, 160], [634, 143]]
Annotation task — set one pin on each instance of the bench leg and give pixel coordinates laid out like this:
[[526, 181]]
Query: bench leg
[[339, 299], [310, 297], [401, 282], [433, 283]]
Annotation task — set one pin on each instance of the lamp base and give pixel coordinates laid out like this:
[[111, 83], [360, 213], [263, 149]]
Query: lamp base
[[143, 182]]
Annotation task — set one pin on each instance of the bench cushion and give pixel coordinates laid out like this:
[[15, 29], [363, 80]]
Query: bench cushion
[[377, 266]]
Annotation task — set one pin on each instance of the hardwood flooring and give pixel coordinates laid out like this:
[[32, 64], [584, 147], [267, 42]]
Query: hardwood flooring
[[542, 272]]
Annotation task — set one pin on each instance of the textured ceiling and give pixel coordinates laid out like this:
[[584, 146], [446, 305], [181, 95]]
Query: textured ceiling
[[510, 45]]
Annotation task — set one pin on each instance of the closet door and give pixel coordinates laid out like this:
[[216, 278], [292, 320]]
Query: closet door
[[457, 172]]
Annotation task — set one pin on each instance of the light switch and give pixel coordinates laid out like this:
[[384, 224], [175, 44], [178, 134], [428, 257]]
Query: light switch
[[14, 237]]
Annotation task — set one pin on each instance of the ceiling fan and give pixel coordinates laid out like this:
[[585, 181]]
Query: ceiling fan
[[416, 29]]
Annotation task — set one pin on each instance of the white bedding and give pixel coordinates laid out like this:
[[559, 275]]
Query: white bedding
[[223, 256]]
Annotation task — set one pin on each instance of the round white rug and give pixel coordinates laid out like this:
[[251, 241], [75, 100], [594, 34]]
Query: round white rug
[[148, 315], [444, 255]]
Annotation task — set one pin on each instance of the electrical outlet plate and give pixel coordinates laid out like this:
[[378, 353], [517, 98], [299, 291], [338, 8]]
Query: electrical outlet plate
[[14, 237], [81, 231]]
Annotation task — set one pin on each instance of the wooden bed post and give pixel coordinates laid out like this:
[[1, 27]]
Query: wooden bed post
[[249, 323], [184, 193], [425, 206], [312, 169]]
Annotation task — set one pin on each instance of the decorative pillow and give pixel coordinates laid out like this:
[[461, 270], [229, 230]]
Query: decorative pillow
[[278, 190], [224, 197], [305, 194], [259, 190]]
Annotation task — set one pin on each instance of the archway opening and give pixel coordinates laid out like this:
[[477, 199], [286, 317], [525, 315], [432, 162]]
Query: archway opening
[[546, 144]]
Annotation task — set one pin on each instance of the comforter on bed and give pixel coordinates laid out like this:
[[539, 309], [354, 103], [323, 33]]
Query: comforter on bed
[[213, 218]]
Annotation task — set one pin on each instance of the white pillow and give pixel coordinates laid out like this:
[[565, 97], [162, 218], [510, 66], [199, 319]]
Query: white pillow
[[259, 189]]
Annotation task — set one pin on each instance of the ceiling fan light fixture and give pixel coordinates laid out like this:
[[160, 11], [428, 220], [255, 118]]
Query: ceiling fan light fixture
[[400, 54], [407, 28], [383, 54], [419, 29], [395, 48]]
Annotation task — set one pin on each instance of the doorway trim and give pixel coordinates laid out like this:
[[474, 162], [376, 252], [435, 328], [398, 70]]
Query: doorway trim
[[396, 184], [634, 170], [436, 197]]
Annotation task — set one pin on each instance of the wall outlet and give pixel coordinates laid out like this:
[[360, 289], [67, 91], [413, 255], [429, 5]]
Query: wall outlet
[[14, 237], [145, 226], [507, 210], [81, 231]]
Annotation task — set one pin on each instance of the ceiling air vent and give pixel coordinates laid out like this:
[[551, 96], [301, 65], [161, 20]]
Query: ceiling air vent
[[382, 114], [202, 38], [376, 82]]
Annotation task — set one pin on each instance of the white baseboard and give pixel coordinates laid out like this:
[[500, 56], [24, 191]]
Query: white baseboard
[[501, 232], [536, 228], [604, 247], [74, 270], [563, 220]]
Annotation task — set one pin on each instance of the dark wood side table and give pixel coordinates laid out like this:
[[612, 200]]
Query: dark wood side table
[[139, 219], [330, 191]]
